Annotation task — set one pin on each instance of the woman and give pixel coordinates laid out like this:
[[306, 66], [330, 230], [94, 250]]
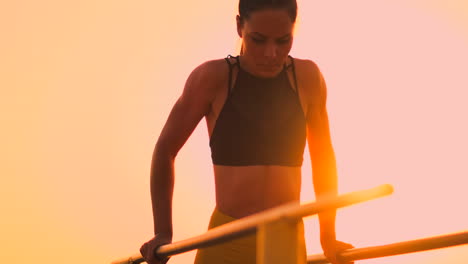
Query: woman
[[260, 108]]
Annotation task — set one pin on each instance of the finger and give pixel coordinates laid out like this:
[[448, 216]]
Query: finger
[[143, 249], [342, 246], [341, 261], [343, 243], [332, 258], [347, 246]]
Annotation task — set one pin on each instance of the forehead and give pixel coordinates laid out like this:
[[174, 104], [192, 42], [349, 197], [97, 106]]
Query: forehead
[[269, 22]]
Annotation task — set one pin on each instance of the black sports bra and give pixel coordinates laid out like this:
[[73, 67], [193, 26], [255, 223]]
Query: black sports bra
[[261, 122]]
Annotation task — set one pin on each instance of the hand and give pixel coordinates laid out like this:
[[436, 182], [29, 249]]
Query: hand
[[148, 250], [332, 248]]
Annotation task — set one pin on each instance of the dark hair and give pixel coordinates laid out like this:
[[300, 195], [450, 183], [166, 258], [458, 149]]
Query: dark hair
[[246, 7]]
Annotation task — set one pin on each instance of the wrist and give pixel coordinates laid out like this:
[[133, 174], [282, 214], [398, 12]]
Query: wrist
[[167, 236], [327, 235]]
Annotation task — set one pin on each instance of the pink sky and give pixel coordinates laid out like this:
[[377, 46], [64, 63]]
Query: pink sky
[[87, 86]]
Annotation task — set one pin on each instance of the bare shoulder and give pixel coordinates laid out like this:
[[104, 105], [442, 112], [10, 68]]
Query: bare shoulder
[[212, 68], [205, 80], [308, 70], [311, 81], [209, 73]]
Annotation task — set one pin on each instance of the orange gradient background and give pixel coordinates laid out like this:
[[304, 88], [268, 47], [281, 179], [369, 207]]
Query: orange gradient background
[[86, 87]]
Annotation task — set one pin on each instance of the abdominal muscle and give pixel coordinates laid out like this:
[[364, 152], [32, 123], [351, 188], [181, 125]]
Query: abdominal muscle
[[245, 190]]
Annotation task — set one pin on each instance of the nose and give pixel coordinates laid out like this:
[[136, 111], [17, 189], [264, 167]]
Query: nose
[[271, 50]]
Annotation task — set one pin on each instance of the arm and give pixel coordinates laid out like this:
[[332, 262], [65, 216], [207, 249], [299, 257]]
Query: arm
[[190, 108], [323, 160], [322, 156]]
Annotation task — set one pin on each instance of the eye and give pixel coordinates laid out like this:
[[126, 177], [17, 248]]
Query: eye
[[283, 41], [257, 40]]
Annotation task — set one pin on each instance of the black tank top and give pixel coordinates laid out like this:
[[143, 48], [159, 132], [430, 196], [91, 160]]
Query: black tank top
[[261, 122]]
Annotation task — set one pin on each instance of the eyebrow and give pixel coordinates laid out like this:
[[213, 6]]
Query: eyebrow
[[263, 36]]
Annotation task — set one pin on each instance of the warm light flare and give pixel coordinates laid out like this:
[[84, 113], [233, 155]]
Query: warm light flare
[[87, 86]]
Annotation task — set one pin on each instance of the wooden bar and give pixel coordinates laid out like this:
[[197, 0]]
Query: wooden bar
[[278, 243], [397, 248], [248, 225]]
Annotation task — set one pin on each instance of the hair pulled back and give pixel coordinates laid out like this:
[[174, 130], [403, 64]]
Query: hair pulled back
[[246, 7]]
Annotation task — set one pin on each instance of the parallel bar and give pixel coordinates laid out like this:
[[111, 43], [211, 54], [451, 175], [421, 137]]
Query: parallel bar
[[278, 243], [397, 248], [135, 259], [248, 225]]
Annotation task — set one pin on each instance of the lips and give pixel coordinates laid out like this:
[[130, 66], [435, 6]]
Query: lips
[[268, 67]]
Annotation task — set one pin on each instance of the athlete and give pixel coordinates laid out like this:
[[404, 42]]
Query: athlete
[[260, 108]]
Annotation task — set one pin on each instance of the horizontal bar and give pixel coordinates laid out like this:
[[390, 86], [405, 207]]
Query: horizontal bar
[[405, 247], [248, 225], [134, 259]]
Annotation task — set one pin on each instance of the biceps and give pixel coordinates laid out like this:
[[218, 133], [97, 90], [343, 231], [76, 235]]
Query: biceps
[[318, 130], [183, 119]]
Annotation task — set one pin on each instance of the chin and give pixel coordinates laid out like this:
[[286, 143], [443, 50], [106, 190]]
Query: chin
[[268, 73]]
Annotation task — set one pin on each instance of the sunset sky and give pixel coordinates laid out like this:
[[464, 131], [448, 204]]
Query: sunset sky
[[86, 87]]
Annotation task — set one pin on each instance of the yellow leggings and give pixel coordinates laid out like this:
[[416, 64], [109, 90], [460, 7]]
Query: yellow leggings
[[238, 251]]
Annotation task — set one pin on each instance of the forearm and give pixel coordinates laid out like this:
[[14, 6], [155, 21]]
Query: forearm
[[326, 186], [162, 187]]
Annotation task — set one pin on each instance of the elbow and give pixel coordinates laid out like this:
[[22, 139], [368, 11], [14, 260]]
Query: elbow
[[163, 152]]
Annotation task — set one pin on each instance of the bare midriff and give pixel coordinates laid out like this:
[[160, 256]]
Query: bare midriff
[[245, 190]]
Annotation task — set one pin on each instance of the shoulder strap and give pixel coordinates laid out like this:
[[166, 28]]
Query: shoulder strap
[[231, 65], [293, 68]]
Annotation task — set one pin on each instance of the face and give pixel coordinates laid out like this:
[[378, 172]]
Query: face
[[267, 39]]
